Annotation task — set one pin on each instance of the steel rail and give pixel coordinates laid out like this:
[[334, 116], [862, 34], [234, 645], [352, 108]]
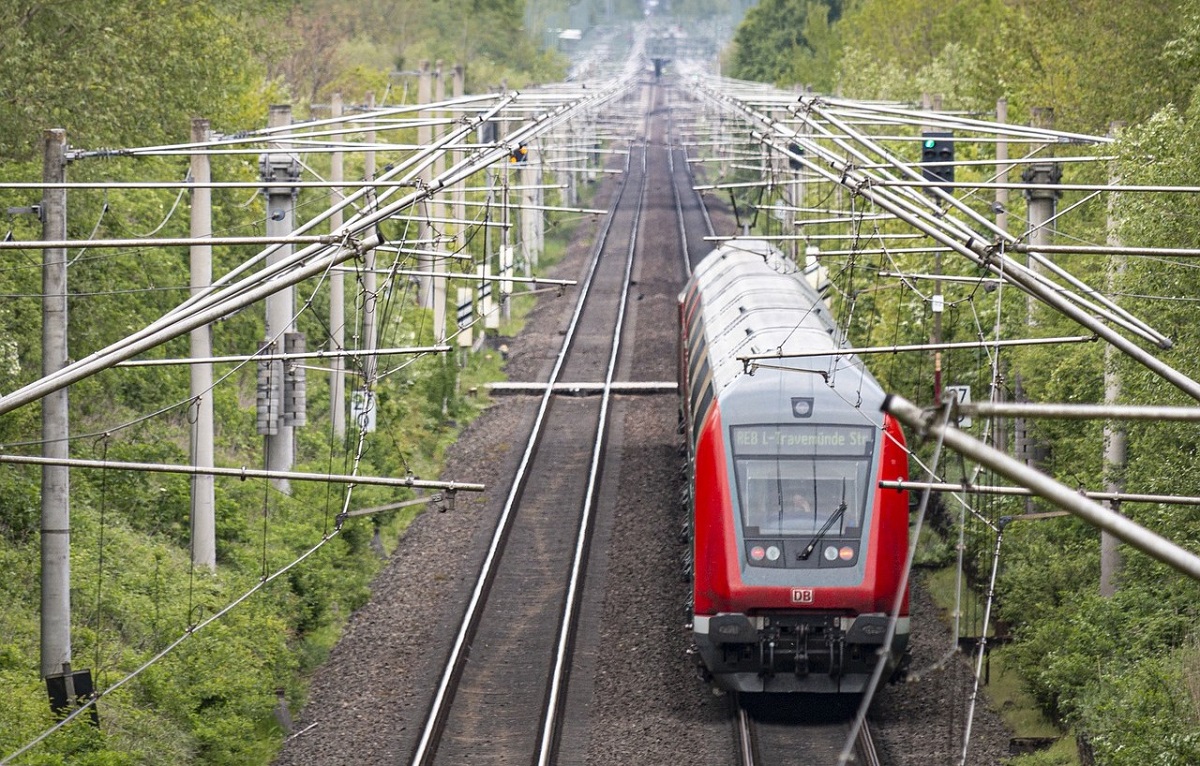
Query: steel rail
[[865, 745], [443, 695], [683, 238], [746, 745], [555, 701]]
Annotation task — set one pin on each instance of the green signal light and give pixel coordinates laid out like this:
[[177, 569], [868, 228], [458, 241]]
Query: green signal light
[[930, 143]]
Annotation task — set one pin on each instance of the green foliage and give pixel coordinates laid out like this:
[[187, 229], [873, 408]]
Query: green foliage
[[354, 47], [1099, 61], [1121, 670], [1144, 715], [1091, 62], [142, 68], [786, 41]]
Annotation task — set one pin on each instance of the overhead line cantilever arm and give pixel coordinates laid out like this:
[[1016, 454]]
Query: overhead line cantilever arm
[[1124, 529], [164, 331], [310, 262], [985, 254], [752, 358], [991, 489], [1108, 307], [341, 354], [246, 473], [1080, 411]]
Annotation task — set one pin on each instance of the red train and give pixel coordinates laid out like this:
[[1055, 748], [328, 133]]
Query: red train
[[797, 553]]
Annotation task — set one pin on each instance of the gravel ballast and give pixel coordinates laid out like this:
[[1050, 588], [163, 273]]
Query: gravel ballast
[[634, 695]]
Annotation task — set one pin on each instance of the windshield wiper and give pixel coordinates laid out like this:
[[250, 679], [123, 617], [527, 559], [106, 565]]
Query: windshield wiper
[[812, 544]]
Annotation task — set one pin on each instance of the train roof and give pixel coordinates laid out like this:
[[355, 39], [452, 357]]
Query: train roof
[[755, 301]]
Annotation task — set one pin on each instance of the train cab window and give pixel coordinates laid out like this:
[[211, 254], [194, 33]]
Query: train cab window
[[802, 480]]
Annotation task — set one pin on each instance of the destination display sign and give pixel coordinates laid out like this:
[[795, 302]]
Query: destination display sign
[[774, 439]]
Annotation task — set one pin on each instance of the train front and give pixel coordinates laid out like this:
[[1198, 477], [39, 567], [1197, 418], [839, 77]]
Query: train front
[[798, 553]]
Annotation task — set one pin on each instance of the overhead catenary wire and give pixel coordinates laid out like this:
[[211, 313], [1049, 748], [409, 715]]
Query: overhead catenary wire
[[973, 246], [991, 249], [1121, 527], [349, 244], [308, 262]]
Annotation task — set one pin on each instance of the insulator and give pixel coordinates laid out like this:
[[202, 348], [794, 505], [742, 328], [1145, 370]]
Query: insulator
[[294, 384], [267, 393]]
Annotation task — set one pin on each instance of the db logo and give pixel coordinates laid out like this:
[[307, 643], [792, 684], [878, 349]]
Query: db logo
[[802, 595]]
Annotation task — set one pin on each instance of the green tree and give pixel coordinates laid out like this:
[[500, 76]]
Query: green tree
[[123, 74], [780, 40]]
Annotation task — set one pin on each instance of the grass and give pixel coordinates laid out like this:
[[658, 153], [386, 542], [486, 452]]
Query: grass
[[1005, 689]]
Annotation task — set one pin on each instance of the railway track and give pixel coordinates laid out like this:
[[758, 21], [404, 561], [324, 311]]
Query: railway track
[[692, 215], [774, 734], [631, 695], [501, 694]]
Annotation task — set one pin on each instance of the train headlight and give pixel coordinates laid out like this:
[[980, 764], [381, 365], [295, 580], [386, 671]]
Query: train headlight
[[758, 552], [773, 553], [830, 553]]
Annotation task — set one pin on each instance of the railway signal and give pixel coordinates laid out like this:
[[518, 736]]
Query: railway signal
[[937, 157]]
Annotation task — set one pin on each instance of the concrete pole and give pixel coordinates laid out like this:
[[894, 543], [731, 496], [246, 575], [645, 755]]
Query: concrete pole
[[1042, 205], [539, 216], [570, 171], [337, 294], [1000, 425], [424, 231], [1001, 167], [438, 209], [1114, 431], [505, 264], [56, 480], [592, 157], [1041, 202], [459, 190], [204, 527], [280, 168], [370, 286], [938, 302], [529, 217]]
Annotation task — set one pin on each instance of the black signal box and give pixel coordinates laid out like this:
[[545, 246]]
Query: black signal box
[[937, 158]]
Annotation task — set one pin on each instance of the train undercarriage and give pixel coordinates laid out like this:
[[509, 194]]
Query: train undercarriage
[[789, 652]]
